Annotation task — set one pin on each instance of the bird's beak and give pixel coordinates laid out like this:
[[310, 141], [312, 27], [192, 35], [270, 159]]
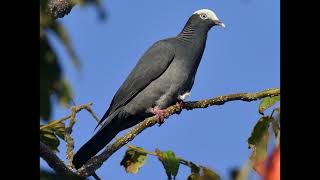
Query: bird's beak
[[219, 23]]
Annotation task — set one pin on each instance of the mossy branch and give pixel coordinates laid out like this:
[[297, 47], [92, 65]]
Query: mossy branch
[[54, 161], [59, 8], [96, 162]]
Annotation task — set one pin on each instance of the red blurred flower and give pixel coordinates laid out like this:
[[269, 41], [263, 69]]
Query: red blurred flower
[[270, 170]]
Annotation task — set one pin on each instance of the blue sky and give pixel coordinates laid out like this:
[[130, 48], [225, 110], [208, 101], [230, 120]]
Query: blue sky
[[243, 57]]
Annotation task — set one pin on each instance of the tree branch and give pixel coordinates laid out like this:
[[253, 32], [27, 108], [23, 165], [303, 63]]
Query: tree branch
[[88, 108], [54, 161], [59, 8], [50, 157], [78, 108], [96, 162], [95, 176], [68, 138], [68, 131]]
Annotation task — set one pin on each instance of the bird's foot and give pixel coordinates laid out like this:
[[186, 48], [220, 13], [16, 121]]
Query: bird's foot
[[160, 114], [180, 105]]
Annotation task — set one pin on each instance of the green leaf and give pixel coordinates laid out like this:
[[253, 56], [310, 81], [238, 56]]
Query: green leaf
[[49, 134], [259, 152], [134, 159], [78, 2], [50, 73], [208, 174], [258, 142], [45, 19], [203, 173], [195, 172], [276, 125], [259, 130], [51, 82], [49, 139], [63, 36], [169, 161], [194, 176], [267, 102], [97, 3], [45, 104], [58, 128], [63, 92]]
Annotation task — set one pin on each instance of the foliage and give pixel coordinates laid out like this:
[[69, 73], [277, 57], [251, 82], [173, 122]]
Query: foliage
[[267, 102], [134, 159], [169, 161], [49, 134], [52, 82], [258, 143]]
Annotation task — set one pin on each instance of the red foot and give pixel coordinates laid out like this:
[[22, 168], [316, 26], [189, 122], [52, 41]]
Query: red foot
[[180, 104], [160, 113]]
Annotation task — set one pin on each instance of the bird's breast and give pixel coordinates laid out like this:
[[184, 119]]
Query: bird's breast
[[164, 91]]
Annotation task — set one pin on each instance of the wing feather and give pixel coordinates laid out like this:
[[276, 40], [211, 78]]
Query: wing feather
[[152, 64]]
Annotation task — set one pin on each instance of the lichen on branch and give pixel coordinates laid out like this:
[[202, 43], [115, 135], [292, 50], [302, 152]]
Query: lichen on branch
[[96, 162], [59, 8]]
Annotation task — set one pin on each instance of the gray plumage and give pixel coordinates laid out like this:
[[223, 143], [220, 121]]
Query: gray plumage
[[165, 72]]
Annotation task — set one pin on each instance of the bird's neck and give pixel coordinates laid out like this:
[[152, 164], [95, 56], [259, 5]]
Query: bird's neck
[[191, 35]]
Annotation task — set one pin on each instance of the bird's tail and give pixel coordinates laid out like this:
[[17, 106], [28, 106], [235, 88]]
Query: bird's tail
[[95, 144]]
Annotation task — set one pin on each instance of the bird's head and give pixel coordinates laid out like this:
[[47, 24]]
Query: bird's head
[[205, 18]]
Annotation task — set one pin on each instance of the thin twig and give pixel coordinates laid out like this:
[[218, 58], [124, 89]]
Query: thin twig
[[137, 149], [68, 130], [78, 108], [88, 108], [141, 151], [181, 160], [54, 122], [96, 162], [68, 138], [187, 163]]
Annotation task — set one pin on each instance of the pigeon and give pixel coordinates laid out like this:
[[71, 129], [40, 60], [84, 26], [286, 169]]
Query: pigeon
[[163, 76]]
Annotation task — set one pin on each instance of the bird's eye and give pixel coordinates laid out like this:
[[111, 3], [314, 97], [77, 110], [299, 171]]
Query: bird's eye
[[203, 16]]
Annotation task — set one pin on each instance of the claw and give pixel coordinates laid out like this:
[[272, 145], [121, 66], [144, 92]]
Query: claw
[[160, 114], [180, 105]]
